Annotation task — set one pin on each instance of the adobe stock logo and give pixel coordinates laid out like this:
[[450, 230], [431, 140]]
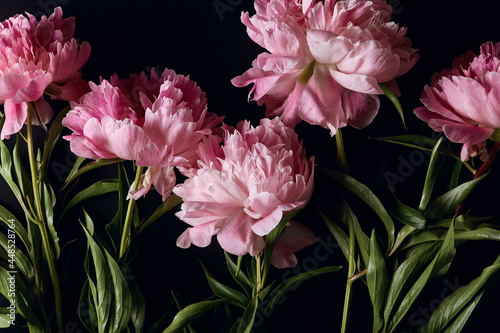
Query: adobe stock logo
[[221, 7], [407, 164]]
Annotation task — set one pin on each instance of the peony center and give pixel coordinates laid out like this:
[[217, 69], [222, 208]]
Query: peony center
[[306, 73]]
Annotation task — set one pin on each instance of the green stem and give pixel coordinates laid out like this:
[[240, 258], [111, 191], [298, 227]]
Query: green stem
[[130, 211], [41, 222], [341, 155], [258, 267], [351, 270]]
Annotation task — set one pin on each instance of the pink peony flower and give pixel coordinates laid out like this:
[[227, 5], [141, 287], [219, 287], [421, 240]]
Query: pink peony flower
[[38, 57], [242, 189], [156, 122], [325, 59], [464, 102]]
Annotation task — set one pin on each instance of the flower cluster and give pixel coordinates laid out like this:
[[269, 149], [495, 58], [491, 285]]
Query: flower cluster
[[325, 59], [463, 102], [38, 57], [242, 189], [157, 122]]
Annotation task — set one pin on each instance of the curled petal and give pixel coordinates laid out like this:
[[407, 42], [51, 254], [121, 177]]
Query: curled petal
[[15, 117], [295, 237]]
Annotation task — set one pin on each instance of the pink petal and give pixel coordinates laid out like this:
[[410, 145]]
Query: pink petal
[[15, 118], [236, 236], [327, 47], [34, 89], [44, 110], [295, 237], [72, 90], [200, 236], [165, 182], [462, 133], [321, 102], [360, 109], [11, 83], [357, 82]]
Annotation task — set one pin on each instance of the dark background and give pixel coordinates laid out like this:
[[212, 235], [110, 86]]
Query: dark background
[[193, 37]]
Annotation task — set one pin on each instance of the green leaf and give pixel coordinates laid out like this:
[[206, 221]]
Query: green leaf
[[246, 322], [405, 231], [53, 135], [75, 172], [138, 310], [172, 201], [464, 222], [71, 176], [86, 309], [9, 219], [122, 301], [394, 99], [377, 280], [432, 172], [22, 308], [6, 172], [4, 318], [22, 176], [100, 288], [339, 235], [283, 288], [434, 235], [224, 291], [49, 201], [22, 263], [464, 315], [365, 194], [115, 228], [238, 275], [189, 314], [407, 215], [411, 141], [444, 205], [98, 188], [361, 237], [437, 267], [459, 300], [405, 274]]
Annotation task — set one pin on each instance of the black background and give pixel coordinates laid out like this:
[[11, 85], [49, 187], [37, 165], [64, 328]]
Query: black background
[[193, 37]]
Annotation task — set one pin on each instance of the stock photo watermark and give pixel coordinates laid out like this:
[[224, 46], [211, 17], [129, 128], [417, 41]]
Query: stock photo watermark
[[407, 164], [11, 280], [223, 7], [421, 316]]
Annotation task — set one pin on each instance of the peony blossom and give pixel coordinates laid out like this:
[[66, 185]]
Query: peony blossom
[[325, 59], [37, 58], [156, 122], [464, 102], [242, 189]]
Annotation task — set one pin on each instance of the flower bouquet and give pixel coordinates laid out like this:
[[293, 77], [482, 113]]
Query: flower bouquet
[[131, 204]]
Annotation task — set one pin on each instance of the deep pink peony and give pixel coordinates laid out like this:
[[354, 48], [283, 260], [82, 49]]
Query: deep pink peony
[[38, 57], [325, 59], [242, 189], [464, 102], [156, 122]]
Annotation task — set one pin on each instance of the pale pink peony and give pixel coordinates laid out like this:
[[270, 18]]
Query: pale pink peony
[[38, 57], [325, 59], [242, 189], [464, 102], [156, 122]]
